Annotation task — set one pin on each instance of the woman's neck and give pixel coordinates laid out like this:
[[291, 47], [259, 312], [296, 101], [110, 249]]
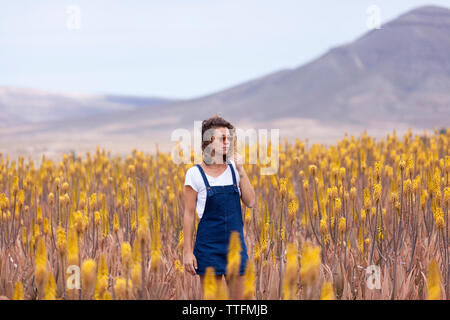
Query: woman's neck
[[215, 163]]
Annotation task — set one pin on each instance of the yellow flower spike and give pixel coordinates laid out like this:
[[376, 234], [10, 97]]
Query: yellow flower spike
[[155, 260], [434, 281], [291, 272], [51, 198], [39, 215], [79, 222], [377, 192], [310, 263], [293, 208], [210, 284], [18, 291], [180, 239], [178, 266], [248, 215], [72, 248], [283, 186], [126, 257], [342, 225], [88, 277], [136, 275], [15, 187], [46, 227], [102, 277], [380, 235], [283, 234], [61, 241], [234, 256], [312, 170], [120, 288], [337, 204], [24, 236], [96, 218], [116, 223], [367, 200], [327, 292], [360, 241], [50, 290], [107, 295], [257, 252], [41, 266]]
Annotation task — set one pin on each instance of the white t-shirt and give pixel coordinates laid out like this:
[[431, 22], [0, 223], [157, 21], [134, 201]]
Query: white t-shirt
[[195, 180]]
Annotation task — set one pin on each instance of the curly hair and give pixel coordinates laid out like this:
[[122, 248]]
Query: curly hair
[[215, 122]]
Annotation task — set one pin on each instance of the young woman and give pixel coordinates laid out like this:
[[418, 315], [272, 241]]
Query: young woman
[[214, 189]]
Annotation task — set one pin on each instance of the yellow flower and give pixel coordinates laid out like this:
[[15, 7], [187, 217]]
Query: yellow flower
[[402, 165], [257, 251], [327, 292], [50, 290], [380, 235], [291, 273], [18, 291], [337, 204], [72, 252], [120, 288], [310, 263], [377, 192], [210, 285], [234, 256], [39, 215], [51, 198], [323, 225], [342, 225], [248, 215], [363, 215], [434, 281], [180, 239], [136, 275], [178, 266], [88, 275], [41, 266], [116, 223], [101, 285], [155, 260], [293, 208], [312, 170], [283, 186], [61, 240], [126, 257]]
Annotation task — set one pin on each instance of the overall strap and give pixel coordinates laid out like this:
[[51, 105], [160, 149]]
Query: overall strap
[[232, 172], [204, 176]]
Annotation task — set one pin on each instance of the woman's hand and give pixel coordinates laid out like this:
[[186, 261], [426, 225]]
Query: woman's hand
[[247, 191], [190, 262], [239, 161]]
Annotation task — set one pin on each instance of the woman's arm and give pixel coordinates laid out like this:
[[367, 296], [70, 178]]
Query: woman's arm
[[190, 198], [247, 191]]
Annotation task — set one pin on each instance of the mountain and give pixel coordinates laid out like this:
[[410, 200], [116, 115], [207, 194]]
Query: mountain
[[396, 77], [24, 105], [399, 73]]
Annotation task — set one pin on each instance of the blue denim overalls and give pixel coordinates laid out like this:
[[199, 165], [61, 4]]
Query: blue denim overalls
[[222, 215]]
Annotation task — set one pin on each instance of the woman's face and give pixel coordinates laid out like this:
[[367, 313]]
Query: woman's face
[[221, 142]]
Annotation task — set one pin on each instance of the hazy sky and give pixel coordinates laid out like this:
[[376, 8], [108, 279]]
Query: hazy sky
[[171, 48]]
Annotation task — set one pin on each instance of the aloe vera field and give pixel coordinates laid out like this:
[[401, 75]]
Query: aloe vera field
[[364, 218]]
